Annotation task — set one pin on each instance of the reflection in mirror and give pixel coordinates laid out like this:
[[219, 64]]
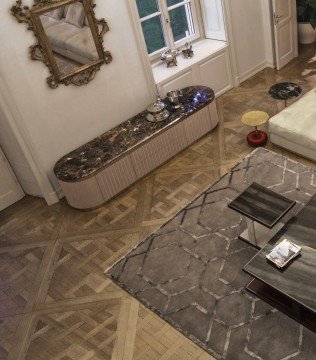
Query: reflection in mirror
[[70, 37]]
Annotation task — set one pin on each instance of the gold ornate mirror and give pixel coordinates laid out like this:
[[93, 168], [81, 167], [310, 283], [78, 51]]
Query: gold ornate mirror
[[69, 38]]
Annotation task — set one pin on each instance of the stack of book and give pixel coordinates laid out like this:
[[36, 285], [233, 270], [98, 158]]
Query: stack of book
[[283, 253]]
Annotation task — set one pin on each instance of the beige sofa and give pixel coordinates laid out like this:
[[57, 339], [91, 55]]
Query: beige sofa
[[69, 34], [294, 128]]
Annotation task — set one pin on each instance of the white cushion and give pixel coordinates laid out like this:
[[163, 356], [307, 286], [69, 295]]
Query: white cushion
[[58, 35], [83, 44], [297, 123], [49, 21], [75, 15], [294, 147], [56, 14]]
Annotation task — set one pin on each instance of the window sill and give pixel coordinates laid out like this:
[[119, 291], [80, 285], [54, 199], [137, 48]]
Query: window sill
[[202, 50]]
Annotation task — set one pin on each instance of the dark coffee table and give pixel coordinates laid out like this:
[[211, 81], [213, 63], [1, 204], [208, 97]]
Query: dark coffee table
[[292, 289], [263, 210]]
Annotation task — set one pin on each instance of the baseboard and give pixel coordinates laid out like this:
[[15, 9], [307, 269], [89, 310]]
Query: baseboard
[[52, 198], [30, 188], [59, 193], [223, 91], [270, 64], [248, 74]]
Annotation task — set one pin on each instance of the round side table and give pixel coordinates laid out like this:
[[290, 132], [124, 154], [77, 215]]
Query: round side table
[[257, 137], [285, 91]]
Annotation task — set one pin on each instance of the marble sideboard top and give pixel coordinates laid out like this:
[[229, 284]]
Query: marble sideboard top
[[98, 153]]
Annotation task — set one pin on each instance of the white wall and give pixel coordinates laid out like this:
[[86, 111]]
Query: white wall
[[251, 33], [57, 121]]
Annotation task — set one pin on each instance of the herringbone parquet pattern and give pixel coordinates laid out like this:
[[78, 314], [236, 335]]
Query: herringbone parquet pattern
[[55, 300]]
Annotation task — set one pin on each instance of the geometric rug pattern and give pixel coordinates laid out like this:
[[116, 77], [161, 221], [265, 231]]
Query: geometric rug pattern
[[190, 271]]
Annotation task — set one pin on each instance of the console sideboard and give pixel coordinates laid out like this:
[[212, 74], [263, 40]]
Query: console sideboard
[[104, 182]]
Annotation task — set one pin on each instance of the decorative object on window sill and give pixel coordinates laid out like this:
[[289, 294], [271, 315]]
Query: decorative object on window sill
[[59, 22], [157, 111], [257, 137], [188, 51], [175, 98], [170, 57]]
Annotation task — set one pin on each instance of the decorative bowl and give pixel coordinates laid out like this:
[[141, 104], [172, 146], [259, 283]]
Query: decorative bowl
[[175, 97]]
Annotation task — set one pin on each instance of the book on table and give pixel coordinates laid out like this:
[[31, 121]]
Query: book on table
[[283, 253]]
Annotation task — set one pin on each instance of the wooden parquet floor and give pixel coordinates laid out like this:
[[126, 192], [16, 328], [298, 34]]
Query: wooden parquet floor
[[56, 302]]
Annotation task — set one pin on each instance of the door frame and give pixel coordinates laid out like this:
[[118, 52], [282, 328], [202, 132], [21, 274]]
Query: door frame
[[295, 28], [16, 192], [14, 120]]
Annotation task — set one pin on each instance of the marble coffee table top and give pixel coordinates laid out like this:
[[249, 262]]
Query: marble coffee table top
[[285, 91], [262, 205], [298, 280]]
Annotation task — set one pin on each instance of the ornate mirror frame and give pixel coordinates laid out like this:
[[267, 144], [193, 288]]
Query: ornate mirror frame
[[42, 51]]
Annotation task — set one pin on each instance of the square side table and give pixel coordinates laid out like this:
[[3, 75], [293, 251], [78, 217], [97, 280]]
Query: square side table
[[263, 210]]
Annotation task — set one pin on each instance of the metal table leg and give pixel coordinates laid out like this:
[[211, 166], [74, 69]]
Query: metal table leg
[[251, 231], [257, 234]]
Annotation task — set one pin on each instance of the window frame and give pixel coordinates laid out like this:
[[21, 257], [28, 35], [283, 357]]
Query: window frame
[[163, 12]]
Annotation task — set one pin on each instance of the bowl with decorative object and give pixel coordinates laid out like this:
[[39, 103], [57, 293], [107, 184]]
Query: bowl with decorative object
[[170, 57], [157, 111], [188, 51], [175, 98]]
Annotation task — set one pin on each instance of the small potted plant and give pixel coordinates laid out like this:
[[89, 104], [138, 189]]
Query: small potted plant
[[306, 18]]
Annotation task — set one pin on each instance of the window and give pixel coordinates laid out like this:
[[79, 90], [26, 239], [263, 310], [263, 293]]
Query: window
[[167, 23]]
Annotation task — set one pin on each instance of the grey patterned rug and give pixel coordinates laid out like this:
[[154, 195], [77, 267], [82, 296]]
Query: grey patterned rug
[[190, 271]]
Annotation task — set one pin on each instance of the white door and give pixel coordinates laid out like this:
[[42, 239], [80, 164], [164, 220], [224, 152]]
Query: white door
[[285, 31], [10, 189]]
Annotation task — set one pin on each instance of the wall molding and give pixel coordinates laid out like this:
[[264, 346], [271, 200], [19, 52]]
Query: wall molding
[[141, 45], [230, 42], [268, 29]]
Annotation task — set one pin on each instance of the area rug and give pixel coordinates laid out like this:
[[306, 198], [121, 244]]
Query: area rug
[[189, 272]]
